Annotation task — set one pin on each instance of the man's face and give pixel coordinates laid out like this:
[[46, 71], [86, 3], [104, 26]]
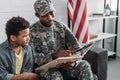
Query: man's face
[[23, 38], [47, 20]]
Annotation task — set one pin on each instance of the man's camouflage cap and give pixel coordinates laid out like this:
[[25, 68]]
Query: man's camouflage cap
[[42, 7]]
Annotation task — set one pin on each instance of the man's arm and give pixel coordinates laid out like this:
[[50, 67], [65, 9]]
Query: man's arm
[[70, 39]]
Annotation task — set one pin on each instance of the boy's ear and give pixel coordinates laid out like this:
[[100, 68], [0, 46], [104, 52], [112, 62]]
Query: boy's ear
[[13, 38]]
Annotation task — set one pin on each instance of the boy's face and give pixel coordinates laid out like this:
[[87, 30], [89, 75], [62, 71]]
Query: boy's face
[[23, 38]]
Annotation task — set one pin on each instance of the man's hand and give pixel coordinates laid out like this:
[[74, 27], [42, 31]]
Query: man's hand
[[63, 53], [67, 66], [67, 53]]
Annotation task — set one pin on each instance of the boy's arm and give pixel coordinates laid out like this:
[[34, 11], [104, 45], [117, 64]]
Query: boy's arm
[[25, 76]]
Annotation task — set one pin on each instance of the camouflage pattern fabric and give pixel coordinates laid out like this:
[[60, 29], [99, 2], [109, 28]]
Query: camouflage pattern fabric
[[49, 40], [42, 7]]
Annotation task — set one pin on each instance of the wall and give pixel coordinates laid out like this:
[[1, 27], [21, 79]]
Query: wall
[[61, 10], [24, 8], [10, 8]]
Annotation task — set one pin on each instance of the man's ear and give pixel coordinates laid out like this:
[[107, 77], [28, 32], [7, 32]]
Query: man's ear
[[37, 15]]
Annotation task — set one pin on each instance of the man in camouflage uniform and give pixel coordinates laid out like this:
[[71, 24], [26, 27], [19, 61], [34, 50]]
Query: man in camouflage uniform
[[52, 39]]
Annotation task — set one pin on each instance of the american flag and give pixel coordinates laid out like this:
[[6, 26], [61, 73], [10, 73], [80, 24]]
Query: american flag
[[77, 11]]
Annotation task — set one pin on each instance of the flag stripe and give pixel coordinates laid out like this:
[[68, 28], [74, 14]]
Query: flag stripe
[[71, 3], [77, 11], [70, 14], [70, 9], [81, 25], [83, 32], [79, 18], [85, 39], [78, 3]]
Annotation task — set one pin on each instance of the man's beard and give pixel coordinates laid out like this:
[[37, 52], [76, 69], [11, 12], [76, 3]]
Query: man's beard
[[47, 24]]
